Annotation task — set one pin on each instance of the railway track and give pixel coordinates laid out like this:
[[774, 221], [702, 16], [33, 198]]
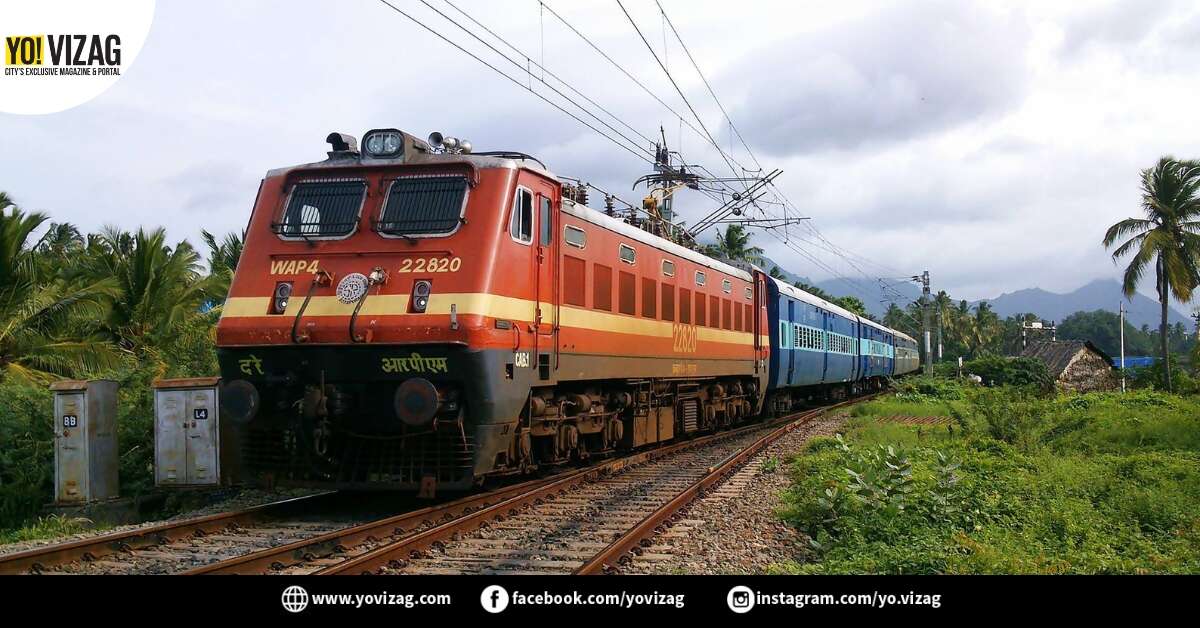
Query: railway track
[[582, 521], [164, 547], [586, 522]]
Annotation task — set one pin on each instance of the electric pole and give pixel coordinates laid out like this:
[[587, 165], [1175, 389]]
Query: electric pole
[[923, 279]]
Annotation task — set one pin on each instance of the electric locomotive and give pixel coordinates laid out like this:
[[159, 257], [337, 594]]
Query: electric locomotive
[[418, 316]]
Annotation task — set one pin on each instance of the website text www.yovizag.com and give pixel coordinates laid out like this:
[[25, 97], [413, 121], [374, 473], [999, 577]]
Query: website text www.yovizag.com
[[874, 599], [359, 600]]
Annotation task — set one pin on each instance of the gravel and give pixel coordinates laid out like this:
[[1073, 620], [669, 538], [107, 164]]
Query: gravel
[[244, 498], [736, 529]]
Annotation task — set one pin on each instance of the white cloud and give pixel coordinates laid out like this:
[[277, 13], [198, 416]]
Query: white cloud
[[991, 146]]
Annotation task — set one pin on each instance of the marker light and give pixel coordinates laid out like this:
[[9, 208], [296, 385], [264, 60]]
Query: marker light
[[383, 143], [421, 291], [283, 292]]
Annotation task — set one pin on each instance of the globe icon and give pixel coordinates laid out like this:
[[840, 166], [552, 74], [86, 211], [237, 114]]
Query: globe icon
[[295, 599]]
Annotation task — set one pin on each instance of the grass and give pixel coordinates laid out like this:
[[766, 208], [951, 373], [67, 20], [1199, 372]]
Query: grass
[[50, 527], [1098, 483]]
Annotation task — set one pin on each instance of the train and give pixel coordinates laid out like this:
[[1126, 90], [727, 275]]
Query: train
[[416, 316]]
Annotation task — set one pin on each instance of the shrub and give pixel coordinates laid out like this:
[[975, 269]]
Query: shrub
[[1096, 483], [924, 388], [26, 451], [1008, 415], [1023, 372]]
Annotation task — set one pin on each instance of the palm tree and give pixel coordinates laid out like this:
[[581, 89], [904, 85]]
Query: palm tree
[[734, 244], [45, 324], [160, 285], [943, 311], [223, 259], [1169, 236]]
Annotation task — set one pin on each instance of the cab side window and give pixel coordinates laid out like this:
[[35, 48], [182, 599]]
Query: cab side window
[[521, 225], [545, 221]]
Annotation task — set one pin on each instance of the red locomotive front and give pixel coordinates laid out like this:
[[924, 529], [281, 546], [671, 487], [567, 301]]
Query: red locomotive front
[[416, 315]]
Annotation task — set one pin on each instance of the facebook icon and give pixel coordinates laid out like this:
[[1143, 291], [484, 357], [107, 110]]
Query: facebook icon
[[494, 599]]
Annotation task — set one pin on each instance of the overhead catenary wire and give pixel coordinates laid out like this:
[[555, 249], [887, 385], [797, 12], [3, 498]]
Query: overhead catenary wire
[[783, 202], [530, 73], [711, 92], [547, 72], [679, 90], [625, 142], [512, 79]]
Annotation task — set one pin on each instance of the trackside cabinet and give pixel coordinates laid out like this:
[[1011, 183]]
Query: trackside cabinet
[[85, 441], [187, 432]]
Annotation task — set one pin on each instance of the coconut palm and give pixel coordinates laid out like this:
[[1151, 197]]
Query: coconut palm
[[160, 285], [734, 244], [45, 325], [1168, 237], [223, 259]]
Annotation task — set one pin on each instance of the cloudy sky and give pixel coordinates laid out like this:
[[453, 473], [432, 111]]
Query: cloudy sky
[[989, 142]]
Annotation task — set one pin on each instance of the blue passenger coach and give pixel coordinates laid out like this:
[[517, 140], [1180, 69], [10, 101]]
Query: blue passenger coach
[[813, 343], [876, 350], [821, 350]]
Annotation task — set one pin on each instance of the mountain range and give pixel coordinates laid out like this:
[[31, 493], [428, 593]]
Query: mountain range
[[1101, 294]]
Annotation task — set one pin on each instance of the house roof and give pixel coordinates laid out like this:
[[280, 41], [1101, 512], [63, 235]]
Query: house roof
[[1057, 354]]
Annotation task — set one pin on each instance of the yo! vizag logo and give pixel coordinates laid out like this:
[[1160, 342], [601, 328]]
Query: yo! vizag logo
[[52, 55], [62, 53]]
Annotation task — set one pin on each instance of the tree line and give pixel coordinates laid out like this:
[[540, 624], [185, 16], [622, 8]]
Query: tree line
[[81, 305]]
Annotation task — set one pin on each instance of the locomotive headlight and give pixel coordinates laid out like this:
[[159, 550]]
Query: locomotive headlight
[[383, 143], [421, 291], [283, 292]]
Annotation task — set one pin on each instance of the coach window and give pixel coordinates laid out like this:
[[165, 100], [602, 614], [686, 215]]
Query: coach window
[[726, 286], [668, 268], [546, 223], [575, 236], [700, 278], [749, 293], [521, 225], [627, 254]]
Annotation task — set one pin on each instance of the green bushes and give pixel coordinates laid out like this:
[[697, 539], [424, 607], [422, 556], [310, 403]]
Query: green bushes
[[1097, 483], [26, 451], [1022, 372], [1009, 415], [27, 431], [923, 388]]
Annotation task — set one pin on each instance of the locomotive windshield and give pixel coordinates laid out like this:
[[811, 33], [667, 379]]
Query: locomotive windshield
[[322, 209], [423, 206]]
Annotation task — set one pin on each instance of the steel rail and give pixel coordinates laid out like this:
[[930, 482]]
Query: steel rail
[[338, 541], [380, 557], [37, 559], [648, 527]]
